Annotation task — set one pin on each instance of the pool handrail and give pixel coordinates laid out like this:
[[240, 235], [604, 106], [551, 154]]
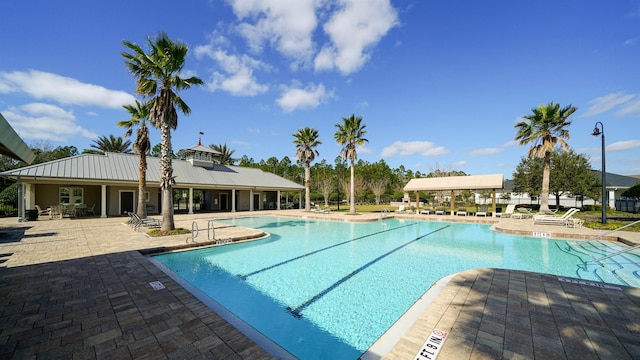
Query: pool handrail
[[617, 252]]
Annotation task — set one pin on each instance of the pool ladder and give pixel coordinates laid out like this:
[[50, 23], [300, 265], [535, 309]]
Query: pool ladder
[[384, 213]]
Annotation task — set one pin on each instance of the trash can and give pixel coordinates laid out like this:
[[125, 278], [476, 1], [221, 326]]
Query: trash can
[[31, 215]]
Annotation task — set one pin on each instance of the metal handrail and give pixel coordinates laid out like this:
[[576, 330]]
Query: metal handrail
[[617, 252]]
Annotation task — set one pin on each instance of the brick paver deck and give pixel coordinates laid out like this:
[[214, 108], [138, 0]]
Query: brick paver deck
[[81, 289]]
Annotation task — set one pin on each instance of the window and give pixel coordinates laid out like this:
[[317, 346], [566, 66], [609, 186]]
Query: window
[[71, 195]]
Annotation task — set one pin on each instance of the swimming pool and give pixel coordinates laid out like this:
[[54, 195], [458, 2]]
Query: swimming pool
[[326, 289]]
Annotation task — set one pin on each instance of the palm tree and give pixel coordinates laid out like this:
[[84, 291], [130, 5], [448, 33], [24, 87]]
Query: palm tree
[[226, 157], [351, 134], [544, 129], [306, 141], [141, 145], [109, 143], [157, 76]]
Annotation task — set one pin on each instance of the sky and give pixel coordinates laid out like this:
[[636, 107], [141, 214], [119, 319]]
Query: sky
[[439, 84]]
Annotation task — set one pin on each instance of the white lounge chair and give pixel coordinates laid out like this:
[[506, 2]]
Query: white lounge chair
[[462, 211], [440, 210], [564, 220], [484, 210], [401, 209], [508, 212], [43, 212], [522, 213]]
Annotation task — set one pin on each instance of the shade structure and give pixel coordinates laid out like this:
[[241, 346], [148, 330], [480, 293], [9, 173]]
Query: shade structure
[[471, 182], [12, 145]]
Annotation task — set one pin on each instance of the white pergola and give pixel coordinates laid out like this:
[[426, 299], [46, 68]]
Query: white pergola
[[471, 182]]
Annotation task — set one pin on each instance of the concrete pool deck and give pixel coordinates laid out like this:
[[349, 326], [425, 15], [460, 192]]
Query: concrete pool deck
[[81, 288]]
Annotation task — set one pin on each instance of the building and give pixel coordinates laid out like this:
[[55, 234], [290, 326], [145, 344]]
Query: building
[[109, 183]]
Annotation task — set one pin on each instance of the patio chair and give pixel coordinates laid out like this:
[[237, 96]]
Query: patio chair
[[564, 220], [508, 211], [440, 210], [484, 210], [522, 213], [91, 210], [43, 212], [462, 211], [401, 209]]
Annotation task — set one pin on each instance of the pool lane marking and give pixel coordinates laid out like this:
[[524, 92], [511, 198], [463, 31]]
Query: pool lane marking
[[297, 311], [244, 277]]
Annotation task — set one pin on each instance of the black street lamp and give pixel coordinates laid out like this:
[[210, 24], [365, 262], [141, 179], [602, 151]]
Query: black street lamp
[[597, 132]]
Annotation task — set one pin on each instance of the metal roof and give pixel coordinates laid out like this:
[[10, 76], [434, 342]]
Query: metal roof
[[471, 182], [12, 145], [125, 168]]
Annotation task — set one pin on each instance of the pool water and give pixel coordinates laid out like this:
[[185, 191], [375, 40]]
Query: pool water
[[329, 290]]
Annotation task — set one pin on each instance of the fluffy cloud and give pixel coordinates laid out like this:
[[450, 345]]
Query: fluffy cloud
[[303, 98], [405, 148], [64, 90], [287, 25], [353, 29], [237, 76], [38, 121]]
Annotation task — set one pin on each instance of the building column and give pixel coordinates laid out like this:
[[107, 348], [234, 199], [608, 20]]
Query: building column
[[233, 200], [417, 202], [251, 205], [493, 200], [278, 201], [103, 201], [190, 200], [453, 202]]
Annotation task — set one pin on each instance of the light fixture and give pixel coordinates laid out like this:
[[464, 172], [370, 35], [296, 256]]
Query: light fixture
[[600, 131]]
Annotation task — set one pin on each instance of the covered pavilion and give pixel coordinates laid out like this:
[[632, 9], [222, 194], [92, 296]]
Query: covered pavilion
[[471, 182]]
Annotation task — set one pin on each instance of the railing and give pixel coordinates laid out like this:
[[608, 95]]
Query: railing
[[384, 213], [617, 252]]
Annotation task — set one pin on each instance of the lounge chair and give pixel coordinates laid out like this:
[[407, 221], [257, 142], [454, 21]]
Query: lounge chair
[[462, 211], [136, 222], [564, 220], [43, 212], [484, 210], [522, 213], [508, 212], [401, 209], [440, 210]]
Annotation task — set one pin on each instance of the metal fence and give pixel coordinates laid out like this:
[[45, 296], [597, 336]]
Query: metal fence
[[628, 205]]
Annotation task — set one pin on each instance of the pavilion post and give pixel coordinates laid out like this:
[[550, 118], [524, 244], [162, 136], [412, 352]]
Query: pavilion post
[[453, 201]]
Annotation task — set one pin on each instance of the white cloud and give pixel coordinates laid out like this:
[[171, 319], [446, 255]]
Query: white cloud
[[64, 90], [353, 29], [607, 102], [494, 150], [624, 145], [287, 25], [630, 107], [486, 151], [297, 98], [403, 148], [237, 76], [40, 121]]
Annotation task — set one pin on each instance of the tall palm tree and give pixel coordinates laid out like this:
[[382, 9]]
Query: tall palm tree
[[351, 134], [226, 157], [158, 78], [306, 142], [545, 128], [141, 145], [109, 143]]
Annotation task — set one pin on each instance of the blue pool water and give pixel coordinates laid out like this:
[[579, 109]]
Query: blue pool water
[[328, 290]]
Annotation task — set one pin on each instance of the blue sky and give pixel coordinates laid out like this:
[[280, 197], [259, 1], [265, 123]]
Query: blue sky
[[439, 84]]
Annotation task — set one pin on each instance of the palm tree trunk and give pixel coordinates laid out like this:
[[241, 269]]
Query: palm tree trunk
[[352, 204], [142, 187], [544, 195], [307, 188], [166, 181]]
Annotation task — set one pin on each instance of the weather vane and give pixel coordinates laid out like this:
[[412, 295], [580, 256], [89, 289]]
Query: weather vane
[[200, 138]]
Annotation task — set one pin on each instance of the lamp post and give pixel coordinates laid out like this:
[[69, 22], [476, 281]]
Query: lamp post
[[597, 132]]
